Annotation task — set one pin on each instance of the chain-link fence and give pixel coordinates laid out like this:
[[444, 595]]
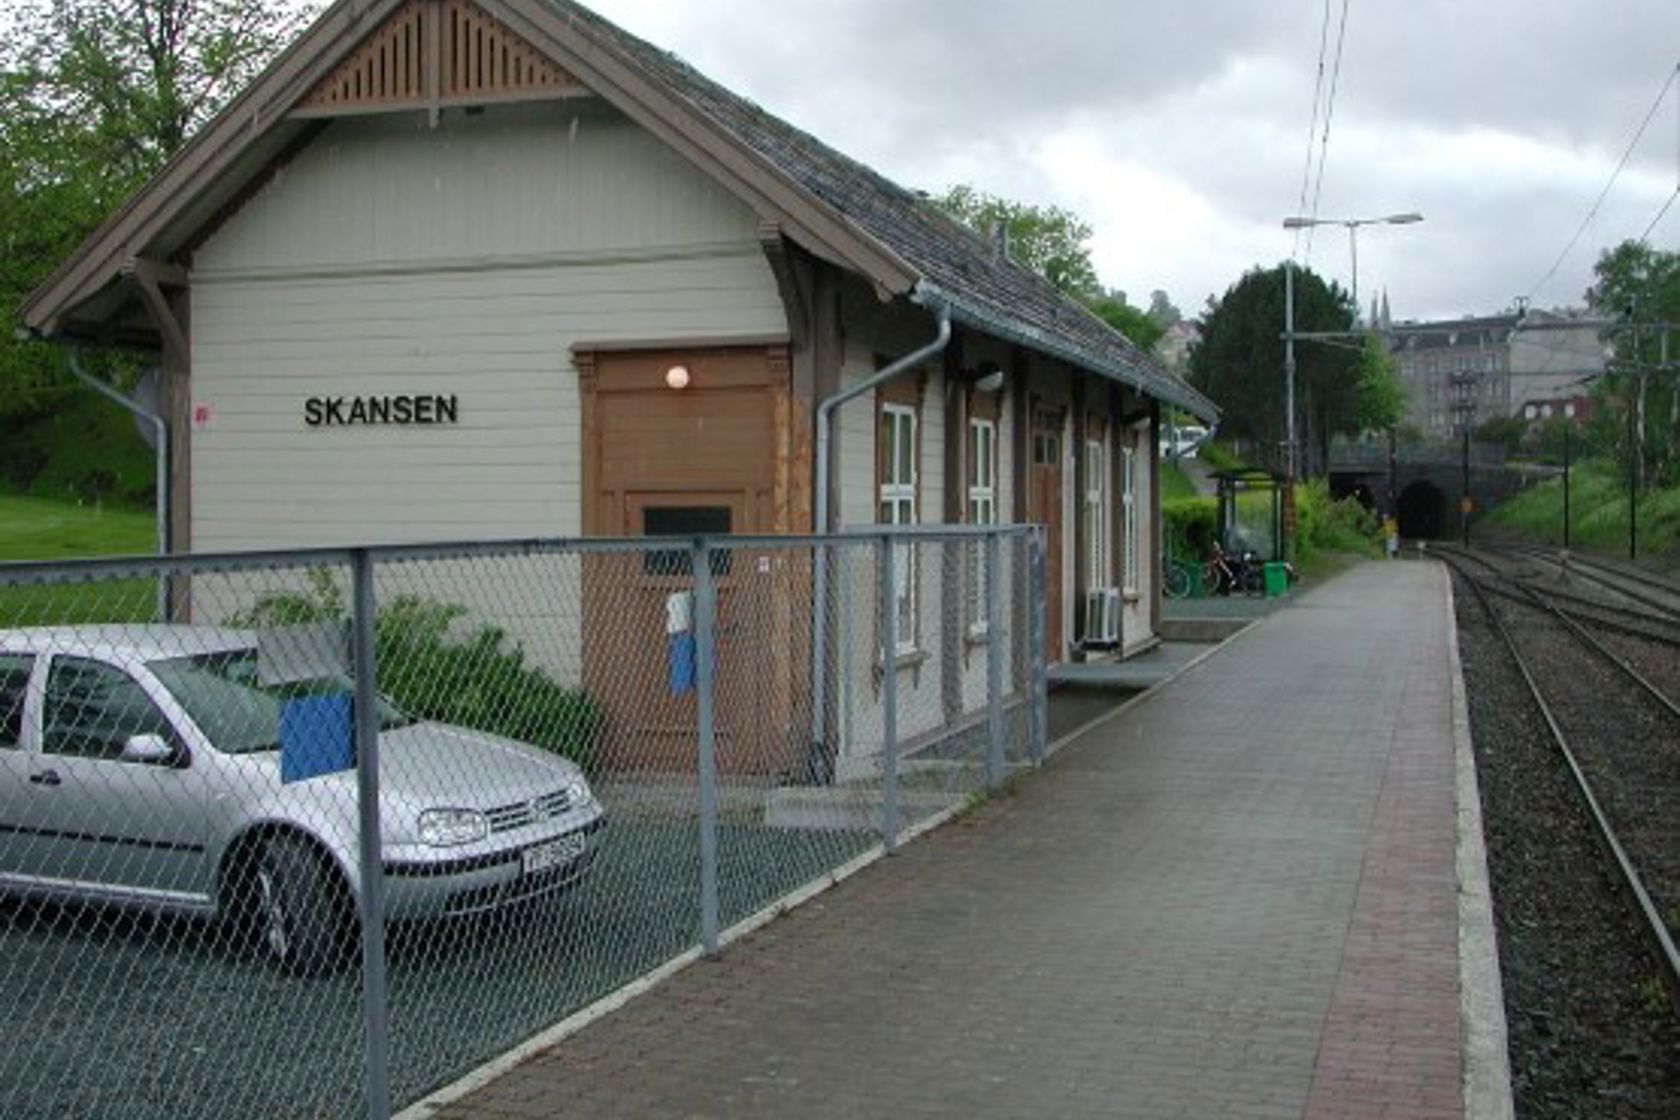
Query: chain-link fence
[[353, 822]]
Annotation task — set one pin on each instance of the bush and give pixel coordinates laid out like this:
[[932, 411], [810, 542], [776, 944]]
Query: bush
[[1188, 526], [1323, 524], [474, 681]]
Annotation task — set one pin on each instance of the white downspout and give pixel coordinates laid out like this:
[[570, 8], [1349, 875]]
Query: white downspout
[[817, 764], [160, 444]]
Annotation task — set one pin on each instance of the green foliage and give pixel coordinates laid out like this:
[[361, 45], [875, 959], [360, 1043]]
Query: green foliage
[[1137, 326], [472, 680], [1218, 455], [81, 448], [1379, 398], [1507, 432], [1189, 526], [1046, 239], [94, 97], [1239, 361], [1636, 283], [1162, 311], [1323, 524], [1598, 511], [1175, 484]]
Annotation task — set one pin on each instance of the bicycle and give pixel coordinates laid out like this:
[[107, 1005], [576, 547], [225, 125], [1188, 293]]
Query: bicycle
[[1183, 580]]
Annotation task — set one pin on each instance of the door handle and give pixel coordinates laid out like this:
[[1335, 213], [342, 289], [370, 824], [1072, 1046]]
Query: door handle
[[46, 778]]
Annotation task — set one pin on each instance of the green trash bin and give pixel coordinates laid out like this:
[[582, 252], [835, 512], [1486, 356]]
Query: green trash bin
[[1276, 578]]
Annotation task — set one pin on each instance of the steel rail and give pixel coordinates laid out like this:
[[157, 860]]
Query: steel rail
[[1606, 577], [1662, 941]]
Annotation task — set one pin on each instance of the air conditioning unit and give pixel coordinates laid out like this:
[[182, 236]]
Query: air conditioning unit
[[1102, 617]]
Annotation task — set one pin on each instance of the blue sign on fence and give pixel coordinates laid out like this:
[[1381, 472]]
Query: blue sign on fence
[[316, 737]]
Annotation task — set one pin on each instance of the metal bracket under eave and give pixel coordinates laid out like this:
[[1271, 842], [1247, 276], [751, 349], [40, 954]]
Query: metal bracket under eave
[[150, 277]]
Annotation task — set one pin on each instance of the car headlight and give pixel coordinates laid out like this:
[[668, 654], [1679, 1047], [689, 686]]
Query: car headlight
[[579, 795], [447, 828]]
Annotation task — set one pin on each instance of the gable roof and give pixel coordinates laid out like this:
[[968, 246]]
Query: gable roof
[[831, 204]]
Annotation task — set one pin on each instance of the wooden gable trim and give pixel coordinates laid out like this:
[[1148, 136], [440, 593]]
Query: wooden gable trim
[[269, 101], [435, 54]]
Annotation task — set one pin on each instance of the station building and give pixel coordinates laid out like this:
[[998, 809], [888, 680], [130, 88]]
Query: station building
[[458, 271]]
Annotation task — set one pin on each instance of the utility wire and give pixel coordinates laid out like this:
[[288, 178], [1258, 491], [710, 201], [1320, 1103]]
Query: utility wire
[[1329, 113], [1646, 236], [1605, 193], [1312, 125]]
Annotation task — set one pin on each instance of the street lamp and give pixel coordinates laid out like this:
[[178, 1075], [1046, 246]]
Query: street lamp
[[1298, 223], [1353, 225]]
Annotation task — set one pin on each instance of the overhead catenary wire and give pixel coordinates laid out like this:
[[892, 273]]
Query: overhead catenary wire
[[1605, 193], [1312, 124], [1329, 116]]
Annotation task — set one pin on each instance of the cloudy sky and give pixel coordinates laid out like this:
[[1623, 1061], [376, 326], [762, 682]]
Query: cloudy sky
[[1180, 128]]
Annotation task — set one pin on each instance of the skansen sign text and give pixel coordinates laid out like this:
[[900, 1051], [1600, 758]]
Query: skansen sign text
[[401, 408]]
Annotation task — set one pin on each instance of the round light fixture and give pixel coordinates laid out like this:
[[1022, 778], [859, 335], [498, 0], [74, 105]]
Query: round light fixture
[[677, 377]]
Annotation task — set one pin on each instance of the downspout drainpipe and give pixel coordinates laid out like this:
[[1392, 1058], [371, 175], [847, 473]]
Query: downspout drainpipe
[[818, 763], [160, 443]]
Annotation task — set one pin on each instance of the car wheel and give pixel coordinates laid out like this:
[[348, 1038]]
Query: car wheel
[[300, 908]]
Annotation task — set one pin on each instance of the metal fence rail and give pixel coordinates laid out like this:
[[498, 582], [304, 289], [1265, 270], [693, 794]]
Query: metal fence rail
[[354, 821]]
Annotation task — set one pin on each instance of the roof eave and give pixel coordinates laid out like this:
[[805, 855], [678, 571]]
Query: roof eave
[[1164, 388]]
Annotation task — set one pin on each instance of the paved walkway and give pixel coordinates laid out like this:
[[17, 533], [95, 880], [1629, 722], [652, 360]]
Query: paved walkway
[[1235, 899]]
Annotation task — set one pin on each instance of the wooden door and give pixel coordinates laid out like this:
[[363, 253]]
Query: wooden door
[[1046, 497], [664, 462]]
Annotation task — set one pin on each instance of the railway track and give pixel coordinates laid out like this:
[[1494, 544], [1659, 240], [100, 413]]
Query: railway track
[[1648, 593], [1608, 701]]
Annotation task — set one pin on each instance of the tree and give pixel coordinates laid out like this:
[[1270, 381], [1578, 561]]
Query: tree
[[1161, 311], [1379, 402], [95, 95], [1052, 242], [1046, 239], [1112, 308], [1637, 284], [1239, 362]]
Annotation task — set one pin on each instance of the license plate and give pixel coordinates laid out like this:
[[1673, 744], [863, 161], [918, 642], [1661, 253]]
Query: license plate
[[553, 853]]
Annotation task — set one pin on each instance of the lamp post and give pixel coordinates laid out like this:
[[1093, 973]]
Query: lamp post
[[1353, 225], [1299, 223]]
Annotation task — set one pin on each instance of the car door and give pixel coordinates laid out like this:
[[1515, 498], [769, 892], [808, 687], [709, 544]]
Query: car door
[[101, 823], [16, 765]]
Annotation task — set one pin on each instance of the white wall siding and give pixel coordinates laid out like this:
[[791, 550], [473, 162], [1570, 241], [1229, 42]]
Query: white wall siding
[[468, 262], [391, 259], [517, 181]]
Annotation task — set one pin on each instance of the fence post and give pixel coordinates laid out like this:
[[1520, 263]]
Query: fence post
[[375, 1010], [994, 659], [889, 695], [1038, 703], [705, 664]]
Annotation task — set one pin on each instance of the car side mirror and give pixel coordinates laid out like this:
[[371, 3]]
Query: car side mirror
[[153, 750]]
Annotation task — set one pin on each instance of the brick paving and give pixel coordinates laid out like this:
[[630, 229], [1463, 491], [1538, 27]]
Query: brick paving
[[1235, 899]]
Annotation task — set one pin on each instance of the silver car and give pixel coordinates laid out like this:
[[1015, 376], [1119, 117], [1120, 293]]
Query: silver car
[[142, 766]]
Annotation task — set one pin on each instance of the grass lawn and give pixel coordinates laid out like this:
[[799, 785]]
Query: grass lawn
[[45, 529], [1598, 515], [1175, 483]]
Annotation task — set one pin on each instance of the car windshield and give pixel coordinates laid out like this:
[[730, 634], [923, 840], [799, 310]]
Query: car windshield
[[236, 710]]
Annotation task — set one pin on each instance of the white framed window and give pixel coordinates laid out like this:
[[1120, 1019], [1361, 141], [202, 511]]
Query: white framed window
[[896, 448], [982, 510], [1129, 519], [1095, 511]]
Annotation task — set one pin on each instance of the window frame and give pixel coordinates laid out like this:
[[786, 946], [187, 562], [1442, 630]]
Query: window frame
[[14, 715], [1094, 513], [165, 726], [898, 486], [1129, 559], [980, 508]]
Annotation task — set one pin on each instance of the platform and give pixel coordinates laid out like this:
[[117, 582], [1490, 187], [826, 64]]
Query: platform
[[1237, 897]]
